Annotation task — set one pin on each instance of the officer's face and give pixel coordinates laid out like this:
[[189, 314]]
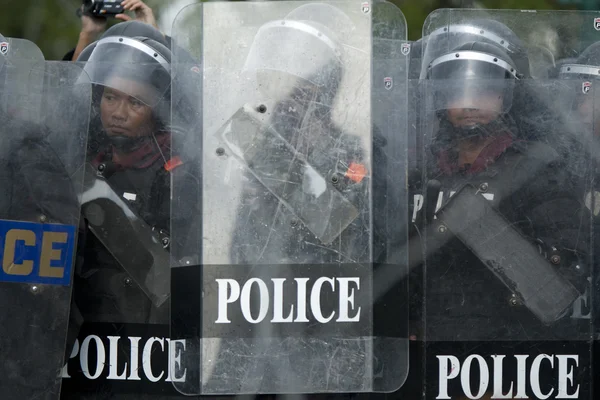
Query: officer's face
[[125, 115], [479, 111]]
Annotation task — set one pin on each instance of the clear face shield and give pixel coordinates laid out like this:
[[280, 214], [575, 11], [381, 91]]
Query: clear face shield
[[285, 71], [300, 81], [469, 80], [129, 66]]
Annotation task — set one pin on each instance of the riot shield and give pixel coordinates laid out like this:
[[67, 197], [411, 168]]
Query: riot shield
[[279, 280], [507, 241], [21, 52], [42, 153], [581, 98]]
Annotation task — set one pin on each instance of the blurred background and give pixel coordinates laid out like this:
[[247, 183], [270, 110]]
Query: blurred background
[[54, 26]]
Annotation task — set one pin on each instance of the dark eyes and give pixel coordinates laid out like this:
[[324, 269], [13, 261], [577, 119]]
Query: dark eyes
[[136, 103]]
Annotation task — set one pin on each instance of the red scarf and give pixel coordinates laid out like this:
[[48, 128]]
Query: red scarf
[[488, 155], [147, 154]]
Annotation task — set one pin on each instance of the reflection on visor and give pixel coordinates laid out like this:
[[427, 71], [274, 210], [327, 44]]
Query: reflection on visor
[[148, 83], [491, 95], [138, 90], [295, 48], [471, 65], [133, 61]]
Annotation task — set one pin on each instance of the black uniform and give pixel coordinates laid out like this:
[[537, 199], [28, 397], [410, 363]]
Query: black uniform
[[527, 184], [464, 300], [104, 291], [109, 293], [482, 223]]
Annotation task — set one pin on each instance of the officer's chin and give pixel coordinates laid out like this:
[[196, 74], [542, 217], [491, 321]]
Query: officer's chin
[[466, 126], [471, 127], [114, 132]]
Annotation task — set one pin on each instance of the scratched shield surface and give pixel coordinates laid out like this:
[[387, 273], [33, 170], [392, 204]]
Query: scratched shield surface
[[44, 117], [505, 194], [533, 164], [274, 285]]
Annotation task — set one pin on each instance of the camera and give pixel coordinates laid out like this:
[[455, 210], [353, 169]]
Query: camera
[[102, 8]]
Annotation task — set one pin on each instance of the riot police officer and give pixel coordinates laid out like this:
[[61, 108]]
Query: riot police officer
[[130, 147], [124, 276], [471, 91], [505, 250]]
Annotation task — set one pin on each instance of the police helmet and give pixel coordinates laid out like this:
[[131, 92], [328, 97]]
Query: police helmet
[[446, 38], [461, 77]]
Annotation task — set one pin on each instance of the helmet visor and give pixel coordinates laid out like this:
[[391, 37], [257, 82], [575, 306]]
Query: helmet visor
[[478, 81], [131, 67]]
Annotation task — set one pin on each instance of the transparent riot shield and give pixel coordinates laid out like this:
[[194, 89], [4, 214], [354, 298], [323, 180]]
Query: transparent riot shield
[[21, 52], [581, 98], [288, 276], [506, 200], [506, 236], [43, 148]]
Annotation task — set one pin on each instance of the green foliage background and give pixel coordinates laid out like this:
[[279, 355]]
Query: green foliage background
[[54, 26]]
